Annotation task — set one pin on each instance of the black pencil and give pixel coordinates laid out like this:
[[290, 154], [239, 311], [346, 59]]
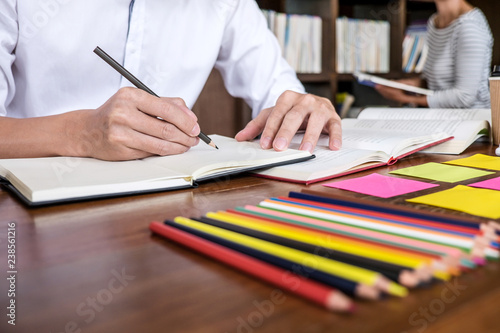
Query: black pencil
[[136, 82]]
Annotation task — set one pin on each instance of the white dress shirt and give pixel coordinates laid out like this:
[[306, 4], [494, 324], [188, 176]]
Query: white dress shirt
[[47, 64]]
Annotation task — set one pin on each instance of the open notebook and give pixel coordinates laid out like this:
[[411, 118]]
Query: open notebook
[[40, 181]]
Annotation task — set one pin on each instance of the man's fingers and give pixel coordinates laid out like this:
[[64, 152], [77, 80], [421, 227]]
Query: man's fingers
[[171, 110], [315, 126], [146, 143], [334, 129], [254, 127], [289, 126], [292, 111], [274, 121], [161, 129]]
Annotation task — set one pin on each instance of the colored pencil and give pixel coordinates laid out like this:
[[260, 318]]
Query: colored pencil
[[454, 254], [324, 247], [376, 251], [346, 286], [388, 224], [331, 299], [388, 208], [487, 234], [333, 267], [464, 243], [401, 274], [399, 219]]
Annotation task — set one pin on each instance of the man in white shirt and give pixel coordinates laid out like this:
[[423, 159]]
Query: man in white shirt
[[58, 98]]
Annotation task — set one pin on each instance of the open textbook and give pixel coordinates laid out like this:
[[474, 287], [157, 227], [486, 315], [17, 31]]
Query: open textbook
[[465, 125], [381, 136], [40, 181]]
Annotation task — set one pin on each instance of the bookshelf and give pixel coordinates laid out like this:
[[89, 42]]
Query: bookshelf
[[399, 13], [393, 11]]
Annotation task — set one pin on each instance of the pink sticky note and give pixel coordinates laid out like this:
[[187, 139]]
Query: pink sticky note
[[492, 184], [381, 186]]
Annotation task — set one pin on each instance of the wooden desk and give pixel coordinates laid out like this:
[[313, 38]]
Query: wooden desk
[[69, 258]]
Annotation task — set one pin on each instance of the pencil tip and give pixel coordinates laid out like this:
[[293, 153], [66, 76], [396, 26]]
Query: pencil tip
[[397, 290], [337, 301], [212, 144], [368, 292], [408, 279]]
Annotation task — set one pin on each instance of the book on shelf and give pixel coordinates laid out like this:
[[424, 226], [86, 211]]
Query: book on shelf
[[415, 48], [41, 181], [362, 45], [299, 37], [382, 136], [372, 80]]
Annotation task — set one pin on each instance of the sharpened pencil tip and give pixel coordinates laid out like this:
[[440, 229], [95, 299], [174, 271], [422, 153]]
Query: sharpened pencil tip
[[397, 290], [207, 140], [337, 301]]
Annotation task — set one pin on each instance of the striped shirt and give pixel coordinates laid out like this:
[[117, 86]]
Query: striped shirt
[[458, 63]]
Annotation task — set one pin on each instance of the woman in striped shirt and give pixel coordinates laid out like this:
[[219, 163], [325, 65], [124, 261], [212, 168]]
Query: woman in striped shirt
[[459, 60]]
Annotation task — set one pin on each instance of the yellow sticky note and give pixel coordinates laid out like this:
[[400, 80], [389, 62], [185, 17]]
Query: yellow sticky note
[[474, 201], [441, 172], [479, 161]]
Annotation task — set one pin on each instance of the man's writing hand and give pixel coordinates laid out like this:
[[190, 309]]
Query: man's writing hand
[[127, 127]]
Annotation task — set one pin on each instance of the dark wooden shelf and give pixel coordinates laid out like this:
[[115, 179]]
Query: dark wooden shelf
[[391, 75], [314, 78]]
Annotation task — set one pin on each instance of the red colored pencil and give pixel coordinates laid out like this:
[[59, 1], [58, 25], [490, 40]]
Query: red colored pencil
[[327, 297]]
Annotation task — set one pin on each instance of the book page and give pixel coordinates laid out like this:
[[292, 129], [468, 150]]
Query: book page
[[393, 137], [326, 164], [204, 161], [425, 114], [464, 132]]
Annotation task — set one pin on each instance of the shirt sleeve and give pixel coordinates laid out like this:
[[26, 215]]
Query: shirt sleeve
[[250, 59], [472, 45], [8, 41]]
